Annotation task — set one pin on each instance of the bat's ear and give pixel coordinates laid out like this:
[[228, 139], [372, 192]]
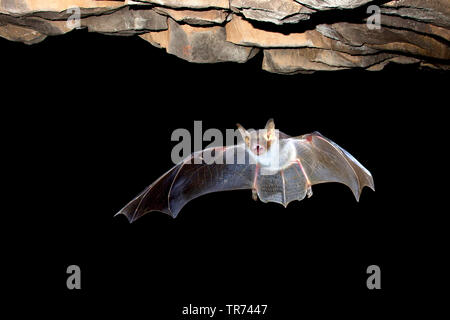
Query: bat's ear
[[244, 134], [270, 128]]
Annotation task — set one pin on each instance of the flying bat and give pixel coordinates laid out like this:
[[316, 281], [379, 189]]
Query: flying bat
[[276, 167]]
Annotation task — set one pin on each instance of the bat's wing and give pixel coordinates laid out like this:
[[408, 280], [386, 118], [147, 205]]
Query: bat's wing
[[318, 160], [324, 161], [189, 180]]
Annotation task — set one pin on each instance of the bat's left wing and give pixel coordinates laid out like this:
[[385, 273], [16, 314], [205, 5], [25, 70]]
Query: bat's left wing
[[321, 160]]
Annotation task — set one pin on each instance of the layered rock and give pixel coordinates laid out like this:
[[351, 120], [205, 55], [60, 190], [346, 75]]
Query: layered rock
[[293, 35]]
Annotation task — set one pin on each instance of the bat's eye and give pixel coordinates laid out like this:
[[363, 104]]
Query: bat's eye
[[258, 149]]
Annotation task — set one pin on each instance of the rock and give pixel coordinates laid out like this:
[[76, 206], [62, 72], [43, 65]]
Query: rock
[[275, 11], [295, 35], [436, 12], [398, 60], [289, 61], [292, 61], [416, 26], [389, 39], [333, 4], [195, 17], [21, 34], [159, 39], [242, 32], [205, 45], [126, 21], [191, 4], [22, 7], [42, 26]]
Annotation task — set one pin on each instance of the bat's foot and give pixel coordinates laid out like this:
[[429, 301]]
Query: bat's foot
[[309, 192], [254, 194]]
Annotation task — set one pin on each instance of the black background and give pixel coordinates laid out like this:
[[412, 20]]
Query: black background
[[92, 117]]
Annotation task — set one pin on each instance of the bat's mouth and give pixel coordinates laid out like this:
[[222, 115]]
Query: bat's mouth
[[258, 149]]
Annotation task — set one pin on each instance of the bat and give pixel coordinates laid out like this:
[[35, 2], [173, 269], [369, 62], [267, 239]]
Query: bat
[[276, 167]]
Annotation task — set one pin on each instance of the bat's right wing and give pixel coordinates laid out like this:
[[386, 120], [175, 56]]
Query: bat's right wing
[[189, 180]]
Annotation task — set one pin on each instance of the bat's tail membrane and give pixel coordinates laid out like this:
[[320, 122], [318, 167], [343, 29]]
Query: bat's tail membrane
[[285, 186]]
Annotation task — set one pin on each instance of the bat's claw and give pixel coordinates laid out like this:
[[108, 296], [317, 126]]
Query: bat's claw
[[309, 192], [254, 194]]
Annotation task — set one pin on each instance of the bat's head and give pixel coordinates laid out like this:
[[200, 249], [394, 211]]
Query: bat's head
[[259, 142]]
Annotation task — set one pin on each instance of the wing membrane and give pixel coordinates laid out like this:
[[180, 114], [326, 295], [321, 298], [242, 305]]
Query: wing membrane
[[188, 180], [325, 161]]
